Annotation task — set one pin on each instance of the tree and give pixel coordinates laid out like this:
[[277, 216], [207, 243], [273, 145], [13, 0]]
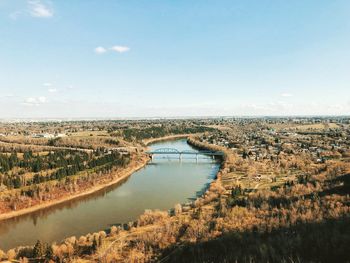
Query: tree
[[38, 250], [94, 245], [178, 209], [236, 191], [49, 252], [2, 254], [23, 260], [11, 254]]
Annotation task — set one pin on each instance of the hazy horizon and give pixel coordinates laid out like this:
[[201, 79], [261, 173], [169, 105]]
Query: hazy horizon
[[142, 59], [49, 119]]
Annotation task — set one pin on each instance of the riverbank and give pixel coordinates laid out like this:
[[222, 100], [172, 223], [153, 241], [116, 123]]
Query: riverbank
[[226, 160], [167, 138], [115, 208], [161, 227], [115, 205], [135, 164]]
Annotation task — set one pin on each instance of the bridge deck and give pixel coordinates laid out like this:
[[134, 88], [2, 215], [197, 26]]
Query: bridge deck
[[177, 152]]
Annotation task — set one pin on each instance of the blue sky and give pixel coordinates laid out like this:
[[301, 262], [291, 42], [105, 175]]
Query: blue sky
[[173, 58]]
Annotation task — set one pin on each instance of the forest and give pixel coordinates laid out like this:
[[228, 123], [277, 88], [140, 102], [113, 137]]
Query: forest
[[57, 165], [157, 132], [28, 179]]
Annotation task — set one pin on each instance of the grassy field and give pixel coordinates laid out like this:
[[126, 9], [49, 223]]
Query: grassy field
[[89, 134], [266, 180]]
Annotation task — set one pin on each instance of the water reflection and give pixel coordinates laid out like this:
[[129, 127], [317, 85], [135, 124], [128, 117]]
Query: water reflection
[[160, 185]]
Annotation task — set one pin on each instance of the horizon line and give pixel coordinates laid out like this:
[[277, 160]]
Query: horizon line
[[36, 119]]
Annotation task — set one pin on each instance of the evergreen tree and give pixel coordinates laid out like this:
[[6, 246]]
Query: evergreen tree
[[49, 252], [38, 250], [94, 245]]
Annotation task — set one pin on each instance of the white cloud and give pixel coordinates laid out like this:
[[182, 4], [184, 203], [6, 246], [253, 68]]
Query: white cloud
[[286, 95], [50, 87], [30, 101], [100, 50], [120, 49], [34, 101], [52, 90], [38, 9]]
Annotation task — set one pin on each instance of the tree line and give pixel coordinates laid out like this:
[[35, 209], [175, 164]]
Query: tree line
[[54, 166], [161, 131]]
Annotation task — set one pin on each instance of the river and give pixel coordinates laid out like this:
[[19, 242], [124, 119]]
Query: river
[[159, 185]]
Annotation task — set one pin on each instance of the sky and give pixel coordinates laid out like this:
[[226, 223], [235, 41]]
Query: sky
[[165, 58]]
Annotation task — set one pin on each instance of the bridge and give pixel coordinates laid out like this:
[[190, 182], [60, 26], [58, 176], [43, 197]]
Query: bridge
[[172, 151]]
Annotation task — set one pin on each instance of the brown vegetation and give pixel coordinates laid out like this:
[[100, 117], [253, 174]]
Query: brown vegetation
[[277, 198]]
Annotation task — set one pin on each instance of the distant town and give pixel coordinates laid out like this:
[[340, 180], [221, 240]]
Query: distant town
[[277, 175]]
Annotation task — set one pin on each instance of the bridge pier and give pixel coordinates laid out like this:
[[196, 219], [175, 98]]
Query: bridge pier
[[196, 157], [180, 157]]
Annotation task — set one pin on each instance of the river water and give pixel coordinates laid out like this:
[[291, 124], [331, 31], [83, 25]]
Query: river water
[[159, 185]]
